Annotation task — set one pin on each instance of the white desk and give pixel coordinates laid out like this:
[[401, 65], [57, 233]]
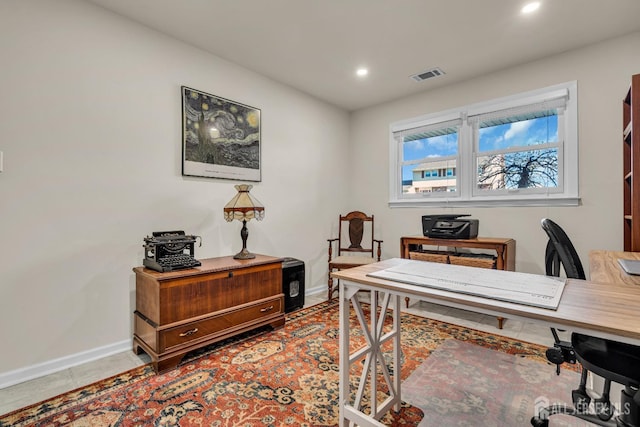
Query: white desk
[[605, 310]]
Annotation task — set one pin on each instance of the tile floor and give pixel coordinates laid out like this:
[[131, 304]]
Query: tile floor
[[39, 389]]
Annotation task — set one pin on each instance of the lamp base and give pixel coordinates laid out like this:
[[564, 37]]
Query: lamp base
[[244, 254]]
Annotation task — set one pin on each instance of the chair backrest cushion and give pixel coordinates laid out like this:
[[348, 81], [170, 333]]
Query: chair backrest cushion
[[356, 231]]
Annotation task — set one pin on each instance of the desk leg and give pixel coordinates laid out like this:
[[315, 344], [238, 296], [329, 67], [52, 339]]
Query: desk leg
[[343, 366], [374, 363]]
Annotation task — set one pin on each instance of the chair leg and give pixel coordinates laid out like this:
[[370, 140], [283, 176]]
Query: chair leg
[[603, 407], [580, 398], [332, 286]]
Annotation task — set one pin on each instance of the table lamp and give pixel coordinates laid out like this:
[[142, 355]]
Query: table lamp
[[243, 207]]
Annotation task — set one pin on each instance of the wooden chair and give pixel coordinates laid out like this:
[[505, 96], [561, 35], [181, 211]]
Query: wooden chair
[[350, 250]]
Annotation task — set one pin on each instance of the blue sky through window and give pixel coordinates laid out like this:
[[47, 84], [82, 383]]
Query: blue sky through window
[[519, 134], [436, 146]]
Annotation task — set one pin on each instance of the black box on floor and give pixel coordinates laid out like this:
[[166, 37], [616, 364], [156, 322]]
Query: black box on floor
[[293, 284]]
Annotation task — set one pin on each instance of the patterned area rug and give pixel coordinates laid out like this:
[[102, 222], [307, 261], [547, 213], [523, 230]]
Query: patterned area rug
[[264, 378], [463, 384]]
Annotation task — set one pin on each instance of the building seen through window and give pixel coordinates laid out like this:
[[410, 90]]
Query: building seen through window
[[431, 177]]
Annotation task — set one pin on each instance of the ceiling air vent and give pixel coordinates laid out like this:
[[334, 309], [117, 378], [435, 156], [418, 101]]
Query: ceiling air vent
[[434, 72]]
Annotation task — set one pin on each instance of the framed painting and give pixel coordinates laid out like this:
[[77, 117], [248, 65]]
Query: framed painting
[[220, 138]]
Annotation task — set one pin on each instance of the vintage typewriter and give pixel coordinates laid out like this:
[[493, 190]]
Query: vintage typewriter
[[170, 250]]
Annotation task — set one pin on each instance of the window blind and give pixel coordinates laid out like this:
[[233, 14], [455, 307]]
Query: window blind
[[428, 131], [522, 112]]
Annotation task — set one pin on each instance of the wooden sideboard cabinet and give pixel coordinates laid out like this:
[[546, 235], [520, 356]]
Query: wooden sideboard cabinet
[[180, 311], [503, 250]]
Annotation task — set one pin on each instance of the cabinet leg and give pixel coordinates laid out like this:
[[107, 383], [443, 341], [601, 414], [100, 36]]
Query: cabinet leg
[[139, 348], [168, 364], [277, 324], [500, 322]]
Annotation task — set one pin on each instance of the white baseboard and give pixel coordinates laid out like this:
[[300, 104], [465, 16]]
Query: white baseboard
[[316, 290], [17, 376], [41, 369]]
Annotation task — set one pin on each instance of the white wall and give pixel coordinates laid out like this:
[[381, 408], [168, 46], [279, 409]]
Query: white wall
[[90, 127], [603, 74]]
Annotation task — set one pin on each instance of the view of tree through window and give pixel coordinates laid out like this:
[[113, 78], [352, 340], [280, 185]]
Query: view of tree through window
[[510, 154]]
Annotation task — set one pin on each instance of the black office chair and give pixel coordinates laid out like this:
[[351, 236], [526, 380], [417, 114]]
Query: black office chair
[[612, 360]]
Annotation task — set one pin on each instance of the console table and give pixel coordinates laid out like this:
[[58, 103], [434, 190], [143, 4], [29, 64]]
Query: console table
[[180, 311], [504, 248]]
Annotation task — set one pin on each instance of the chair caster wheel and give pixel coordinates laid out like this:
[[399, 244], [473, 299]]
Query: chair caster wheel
[[581, 401], [538, 422], [604, 409]]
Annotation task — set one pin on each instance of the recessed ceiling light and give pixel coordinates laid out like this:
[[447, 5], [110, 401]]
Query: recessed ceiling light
[[530, 7], [361, 72]]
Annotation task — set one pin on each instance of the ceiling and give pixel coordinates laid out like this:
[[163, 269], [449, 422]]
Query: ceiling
[[317, 45]]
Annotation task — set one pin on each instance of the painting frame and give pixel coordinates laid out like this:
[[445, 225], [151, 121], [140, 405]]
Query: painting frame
[[221, 138]]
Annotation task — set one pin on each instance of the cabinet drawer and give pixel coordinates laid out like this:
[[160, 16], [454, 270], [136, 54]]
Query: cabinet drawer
[[221, 324], [185, 298]]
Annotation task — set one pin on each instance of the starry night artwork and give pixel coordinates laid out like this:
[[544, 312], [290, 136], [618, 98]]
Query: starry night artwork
[[220, 138]]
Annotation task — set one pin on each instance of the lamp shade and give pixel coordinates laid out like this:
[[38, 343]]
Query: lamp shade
[[243, 206]]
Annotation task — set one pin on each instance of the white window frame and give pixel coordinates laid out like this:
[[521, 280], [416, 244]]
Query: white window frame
[[566, 194]]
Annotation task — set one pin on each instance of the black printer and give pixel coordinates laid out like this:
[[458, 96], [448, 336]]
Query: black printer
[[449, 227]]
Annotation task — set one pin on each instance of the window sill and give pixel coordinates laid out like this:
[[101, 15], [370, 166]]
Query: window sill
[[485, 203]]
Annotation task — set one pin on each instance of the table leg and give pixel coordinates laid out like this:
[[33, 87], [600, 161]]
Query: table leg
[[373, 364], [343, 388]]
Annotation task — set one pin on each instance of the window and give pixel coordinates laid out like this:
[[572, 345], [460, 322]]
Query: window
[[427, 153], [519, 150]]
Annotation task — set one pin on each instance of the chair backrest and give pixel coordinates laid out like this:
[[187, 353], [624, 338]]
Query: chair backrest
[[353, 228], [560, 251]]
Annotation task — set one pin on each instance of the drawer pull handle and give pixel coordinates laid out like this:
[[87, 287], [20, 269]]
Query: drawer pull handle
[[189, 332], [265, 309]]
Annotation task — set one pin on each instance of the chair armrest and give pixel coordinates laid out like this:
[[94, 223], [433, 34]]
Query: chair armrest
[[331, 247], [379, 252]]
